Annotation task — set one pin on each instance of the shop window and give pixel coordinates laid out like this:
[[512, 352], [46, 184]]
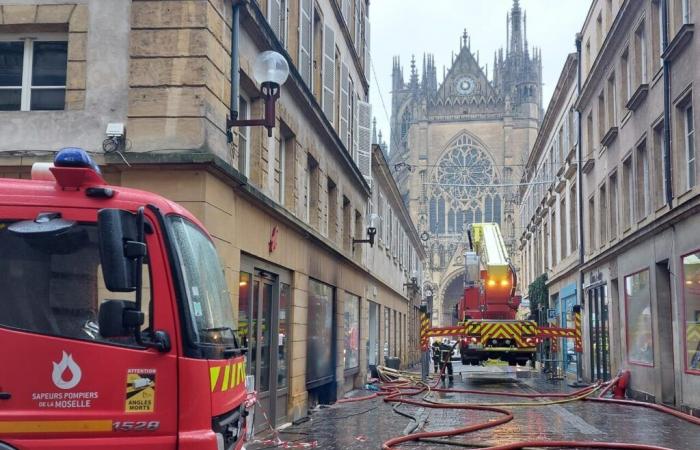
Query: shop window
[[351, 329], [283, 335], [320, 368], [640, 342], [33, 76], [691, 311]]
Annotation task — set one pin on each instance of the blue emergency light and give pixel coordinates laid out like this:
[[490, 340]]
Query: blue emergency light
[[75, 157]]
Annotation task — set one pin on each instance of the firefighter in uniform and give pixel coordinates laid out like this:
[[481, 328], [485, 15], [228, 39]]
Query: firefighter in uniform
[[446, 361], [436, 355]]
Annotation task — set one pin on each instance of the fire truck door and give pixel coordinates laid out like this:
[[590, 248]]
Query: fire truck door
[[66, 386]]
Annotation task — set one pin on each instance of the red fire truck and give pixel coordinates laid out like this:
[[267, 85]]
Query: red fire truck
[[489, 306], [116, 326]]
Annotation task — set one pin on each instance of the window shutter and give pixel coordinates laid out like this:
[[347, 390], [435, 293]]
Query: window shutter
[[328, 94], [364, 140], [345, 9], [368, 62], [274, 16], [305, 41], [358, 27], [355, 124], [344, 104]]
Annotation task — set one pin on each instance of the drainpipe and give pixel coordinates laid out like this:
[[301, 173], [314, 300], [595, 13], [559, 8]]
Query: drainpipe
[[668, 185], [235, 65], [579, 200]]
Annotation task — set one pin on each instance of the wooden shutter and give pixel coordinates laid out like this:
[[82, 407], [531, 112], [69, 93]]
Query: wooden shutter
[[344, 104], [274, 16], [364, 140], [358, 26], [328, 93], [305, 40]]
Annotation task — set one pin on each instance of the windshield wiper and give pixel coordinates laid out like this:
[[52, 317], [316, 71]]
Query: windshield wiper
[[228, 351]]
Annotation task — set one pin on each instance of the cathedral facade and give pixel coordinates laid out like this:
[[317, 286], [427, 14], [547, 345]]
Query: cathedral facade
[[458, 149]]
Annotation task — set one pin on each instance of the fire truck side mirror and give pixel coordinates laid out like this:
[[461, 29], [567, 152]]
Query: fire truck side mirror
[[119, 318], [121, 248]]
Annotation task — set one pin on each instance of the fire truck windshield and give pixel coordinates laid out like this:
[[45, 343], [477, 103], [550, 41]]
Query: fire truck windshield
[[208, 299]]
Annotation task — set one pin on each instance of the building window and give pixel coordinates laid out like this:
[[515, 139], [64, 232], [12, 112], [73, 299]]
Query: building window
[[286, 166], [625, 79], [573, 214], [589, 135], [601, 117], [689, 135], [33, 75], [591, 224], [351, 330], [553, 236], [691, 311], [612, 205], [278, 16], [657, 34], [603, 205], [347, 224], [244, 137], [612, 101], [640, 55], [640, 342], [317, 55], [642, 176], [332, 221], [659, 189], [563, 227], [320, 369], [628, 193]]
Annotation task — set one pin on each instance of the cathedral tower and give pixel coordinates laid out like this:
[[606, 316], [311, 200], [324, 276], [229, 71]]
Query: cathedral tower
[[458, 146]]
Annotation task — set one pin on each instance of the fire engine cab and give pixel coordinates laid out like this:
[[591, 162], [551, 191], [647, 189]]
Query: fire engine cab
[[116, 324]]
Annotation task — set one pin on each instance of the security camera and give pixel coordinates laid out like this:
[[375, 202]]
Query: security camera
[[115, 129]]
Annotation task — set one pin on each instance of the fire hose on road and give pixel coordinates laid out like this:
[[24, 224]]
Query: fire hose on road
[[398, 389]]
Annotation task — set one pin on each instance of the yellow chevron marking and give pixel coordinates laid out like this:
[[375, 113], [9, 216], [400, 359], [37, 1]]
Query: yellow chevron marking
[[214, 376]]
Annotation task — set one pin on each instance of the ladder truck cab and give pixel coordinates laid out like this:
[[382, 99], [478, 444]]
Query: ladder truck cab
[[117, 328], [489, 306]]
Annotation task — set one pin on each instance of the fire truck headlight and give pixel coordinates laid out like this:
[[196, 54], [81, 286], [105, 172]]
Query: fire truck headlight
[[504, 283], [491, 282], [507, 341]]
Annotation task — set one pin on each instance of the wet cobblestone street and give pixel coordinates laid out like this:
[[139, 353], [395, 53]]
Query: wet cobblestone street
[[367, 424]]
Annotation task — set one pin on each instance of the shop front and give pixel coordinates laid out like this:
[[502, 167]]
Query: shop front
[[263, 321]]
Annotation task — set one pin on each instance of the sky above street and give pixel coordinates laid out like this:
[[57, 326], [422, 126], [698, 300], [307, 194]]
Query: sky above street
[[406, 27]]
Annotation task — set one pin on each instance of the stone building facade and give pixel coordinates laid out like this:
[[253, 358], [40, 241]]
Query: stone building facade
[[639, 192], [548, 211], [458, 148], [162, 68]]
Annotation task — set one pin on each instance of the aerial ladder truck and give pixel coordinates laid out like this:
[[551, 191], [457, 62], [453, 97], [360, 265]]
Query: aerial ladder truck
[[487, 311]]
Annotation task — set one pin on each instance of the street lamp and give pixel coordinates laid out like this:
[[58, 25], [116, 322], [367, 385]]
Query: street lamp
[[371, 232], [271, 70]]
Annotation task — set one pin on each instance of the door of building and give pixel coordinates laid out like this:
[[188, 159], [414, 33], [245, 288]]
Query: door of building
[[263, 325], [599, 329]]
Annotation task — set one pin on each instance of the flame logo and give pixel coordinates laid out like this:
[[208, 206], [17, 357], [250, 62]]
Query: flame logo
[[60, 368]]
